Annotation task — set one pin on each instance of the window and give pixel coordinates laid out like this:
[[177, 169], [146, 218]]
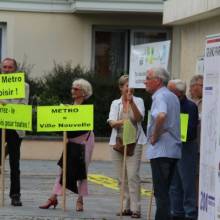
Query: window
[[110, 53], [148, 36], [111, 47], [2, 41]]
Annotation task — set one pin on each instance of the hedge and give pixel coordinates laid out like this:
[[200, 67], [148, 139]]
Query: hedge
[[54, 88]]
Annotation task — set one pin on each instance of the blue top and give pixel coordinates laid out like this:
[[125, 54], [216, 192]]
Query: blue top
[[191, 109], [169, 143]]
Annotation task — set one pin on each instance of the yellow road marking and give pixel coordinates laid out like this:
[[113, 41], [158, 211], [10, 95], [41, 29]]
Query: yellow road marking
[[111, 183]]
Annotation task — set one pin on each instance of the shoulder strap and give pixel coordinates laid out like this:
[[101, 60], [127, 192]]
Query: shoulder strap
[[88, 136]]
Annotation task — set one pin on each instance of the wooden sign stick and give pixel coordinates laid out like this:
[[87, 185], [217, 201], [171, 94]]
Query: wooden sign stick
[[123, 181], [3, 143], [123, 170], [64, 168]]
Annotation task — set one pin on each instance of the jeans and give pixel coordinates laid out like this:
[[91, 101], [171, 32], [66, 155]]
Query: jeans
[[13, 145], [162, 174], [183, 187]]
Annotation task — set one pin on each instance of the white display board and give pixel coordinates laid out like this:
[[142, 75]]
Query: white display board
[[209, 190], [144, 57]]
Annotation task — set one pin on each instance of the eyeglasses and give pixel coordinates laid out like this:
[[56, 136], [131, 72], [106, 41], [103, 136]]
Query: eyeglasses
[[151, 78], [197, 84], [75, 88]]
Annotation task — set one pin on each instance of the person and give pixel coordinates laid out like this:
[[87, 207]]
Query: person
[[196, 89], [128, 106], [77, 164], [183, 187], [195, 94], [14, 138], [163, 134]]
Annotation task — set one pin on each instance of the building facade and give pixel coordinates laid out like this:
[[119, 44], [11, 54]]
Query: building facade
[[192, 21], [96, 34]]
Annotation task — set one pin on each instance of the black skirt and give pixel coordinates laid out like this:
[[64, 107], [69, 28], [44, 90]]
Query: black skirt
[[76, 166]]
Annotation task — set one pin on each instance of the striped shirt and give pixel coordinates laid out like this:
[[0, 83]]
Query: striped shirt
[[169, 143]]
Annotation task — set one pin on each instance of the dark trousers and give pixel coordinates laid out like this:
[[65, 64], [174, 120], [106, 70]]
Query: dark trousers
[[162, 174], [183, 187], [13, 145]]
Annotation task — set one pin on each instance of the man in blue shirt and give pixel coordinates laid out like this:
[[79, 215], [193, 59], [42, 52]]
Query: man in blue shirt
[[164, 145], [183, 187]]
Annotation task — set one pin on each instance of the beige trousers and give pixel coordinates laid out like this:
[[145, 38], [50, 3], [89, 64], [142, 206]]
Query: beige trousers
[[132, 194]]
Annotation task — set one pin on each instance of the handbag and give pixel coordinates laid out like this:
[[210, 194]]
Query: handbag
[[119, 147]]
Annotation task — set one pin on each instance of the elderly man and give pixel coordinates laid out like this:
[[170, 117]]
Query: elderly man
[[164, 145], [14, 138], [183, 187], [196, 87], [196, 92]]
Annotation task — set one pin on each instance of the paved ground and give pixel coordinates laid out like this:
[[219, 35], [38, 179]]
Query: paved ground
[[37, 180], [51, 150]]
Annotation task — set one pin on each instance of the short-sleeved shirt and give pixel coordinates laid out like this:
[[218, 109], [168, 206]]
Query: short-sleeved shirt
[[169, 143]]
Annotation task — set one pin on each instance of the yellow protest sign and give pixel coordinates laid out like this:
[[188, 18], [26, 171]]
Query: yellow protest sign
[[12, 86], [65, 118], [16, 117], [129, 132], [184, 120]]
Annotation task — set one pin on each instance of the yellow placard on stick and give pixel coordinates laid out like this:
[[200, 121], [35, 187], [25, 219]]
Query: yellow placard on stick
[[12, 86], [65, 118], [184, 120], [16, 117], [129, 132]]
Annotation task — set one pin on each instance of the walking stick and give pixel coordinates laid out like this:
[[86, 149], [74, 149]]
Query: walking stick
[[3, 167], [64, 168]]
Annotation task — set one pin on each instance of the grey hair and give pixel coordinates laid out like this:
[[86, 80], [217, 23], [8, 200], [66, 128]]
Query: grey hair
[[84, 85], [195, 79], [180, 85], [162, 74]]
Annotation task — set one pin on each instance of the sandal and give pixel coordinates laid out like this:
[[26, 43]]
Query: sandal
[[136, 215], [79, 206], [126, 212]]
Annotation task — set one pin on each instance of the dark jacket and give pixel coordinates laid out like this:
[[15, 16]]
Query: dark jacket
[[191, 109]]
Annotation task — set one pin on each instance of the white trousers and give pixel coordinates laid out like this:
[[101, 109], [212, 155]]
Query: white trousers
[[132, 190]]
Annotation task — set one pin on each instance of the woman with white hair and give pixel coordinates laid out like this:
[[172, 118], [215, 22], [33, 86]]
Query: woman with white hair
[[78, 157]]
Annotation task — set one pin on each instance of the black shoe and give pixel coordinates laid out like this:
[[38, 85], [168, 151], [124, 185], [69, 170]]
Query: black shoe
[[16, 201]]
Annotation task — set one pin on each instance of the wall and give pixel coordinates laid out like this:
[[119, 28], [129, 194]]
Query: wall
[[192, 45], [47, 37], [179, 12]]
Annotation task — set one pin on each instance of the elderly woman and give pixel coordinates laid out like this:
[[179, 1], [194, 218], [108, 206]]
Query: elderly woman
[[81, 91], [128, 106]]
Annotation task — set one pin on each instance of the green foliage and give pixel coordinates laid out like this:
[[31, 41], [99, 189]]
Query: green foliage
[[54, 88]]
